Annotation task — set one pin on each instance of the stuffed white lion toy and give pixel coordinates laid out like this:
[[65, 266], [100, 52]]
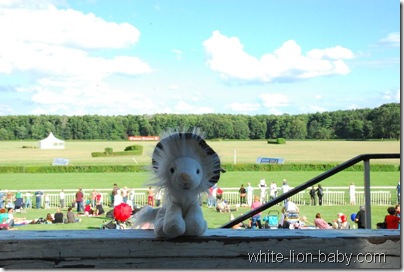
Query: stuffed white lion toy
[[184, 166]]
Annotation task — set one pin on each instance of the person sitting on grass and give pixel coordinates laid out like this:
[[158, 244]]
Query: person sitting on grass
[[70, 216], [58, 217], [88, 209], [222, 206], [4, 219], [392, 220], [49, 219], [99, 210], [341, 222], [320, 222]]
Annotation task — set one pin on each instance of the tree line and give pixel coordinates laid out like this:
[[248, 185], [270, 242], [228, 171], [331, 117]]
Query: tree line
[[378, 123]]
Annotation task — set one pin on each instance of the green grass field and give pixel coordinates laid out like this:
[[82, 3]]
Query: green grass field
[[79, 153]]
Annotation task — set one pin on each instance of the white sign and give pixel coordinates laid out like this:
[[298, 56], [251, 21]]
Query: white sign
[[60, 162]]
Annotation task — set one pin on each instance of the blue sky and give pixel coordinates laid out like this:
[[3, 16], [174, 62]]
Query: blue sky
[[180, 56]]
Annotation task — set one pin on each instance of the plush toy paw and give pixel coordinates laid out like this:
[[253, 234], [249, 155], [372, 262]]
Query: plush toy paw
[[196, 229], [174, 227]]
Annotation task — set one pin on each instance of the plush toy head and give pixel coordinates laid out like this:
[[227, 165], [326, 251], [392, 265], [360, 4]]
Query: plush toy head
[[185, 162]]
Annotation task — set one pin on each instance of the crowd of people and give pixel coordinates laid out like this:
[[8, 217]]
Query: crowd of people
[[249, 199], [91, 204]]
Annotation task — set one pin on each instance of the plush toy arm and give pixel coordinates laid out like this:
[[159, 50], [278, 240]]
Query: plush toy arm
[[195, 223]]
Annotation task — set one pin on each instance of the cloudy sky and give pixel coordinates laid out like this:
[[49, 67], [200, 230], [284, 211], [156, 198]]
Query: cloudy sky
[[137, 57]]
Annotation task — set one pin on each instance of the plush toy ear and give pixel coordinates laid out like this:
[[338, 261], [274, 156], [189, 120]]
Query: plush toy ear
[[183, 144]]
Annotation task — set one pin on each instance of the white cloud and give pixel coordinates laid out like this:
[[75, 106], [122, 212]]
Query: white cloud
[[226, 55], [173, 87], [55, 47], [391, 95], [392, 39], [274, 100], [312, 108], [183, 107], [275, 111], [97, 99], [177, 53], [353, 107], [243, 107]]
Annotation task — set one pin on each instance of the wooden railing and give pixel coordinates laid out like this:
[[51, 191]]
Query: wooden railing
[[366, 160]]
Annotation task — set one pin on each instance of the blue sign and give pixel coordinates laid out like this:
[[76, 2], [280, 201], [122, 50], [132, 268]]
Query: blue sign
[[263, 160], [60, 162]]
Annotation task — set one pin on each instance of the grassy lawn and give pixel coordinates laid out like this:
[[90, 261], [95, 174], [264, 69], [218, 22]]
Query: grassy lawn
[[227, 180], [214, 219], [79, 153]]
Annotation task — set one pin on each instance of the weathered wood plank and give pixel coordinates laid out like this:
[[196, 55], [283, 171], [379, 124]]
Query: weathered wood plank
[[218, 248]]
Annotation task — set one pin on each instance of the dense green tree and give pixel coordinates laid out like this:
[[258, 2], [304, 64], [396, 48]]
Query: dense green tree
[[257, 128], [381, 123]]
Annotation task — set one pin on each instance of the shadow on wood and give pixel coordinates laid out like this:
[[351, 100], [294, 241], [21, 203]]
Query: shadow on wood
[[218, 248]]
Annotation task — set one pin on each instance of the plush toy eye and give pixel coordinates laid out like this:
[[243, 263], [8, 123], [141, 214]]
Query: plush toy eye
[[197, 171], [172, 170]]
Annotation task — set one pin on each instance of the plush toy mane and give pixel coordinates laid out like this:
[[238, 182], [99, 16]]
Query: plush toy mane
[[183, 167], [188, 146]]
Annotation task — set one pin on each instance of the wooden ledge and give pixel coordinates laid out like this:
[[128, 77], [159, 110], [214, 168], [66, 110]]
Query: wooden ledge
[[218, 248]]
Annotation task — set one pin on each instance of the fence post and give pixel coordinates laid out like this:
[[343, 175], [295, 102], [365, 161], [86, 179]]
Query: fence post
[[368, 213]]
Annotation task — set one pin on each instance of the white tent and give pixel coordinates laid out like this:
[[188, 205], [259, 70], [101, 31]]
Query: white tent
[[51, 142]]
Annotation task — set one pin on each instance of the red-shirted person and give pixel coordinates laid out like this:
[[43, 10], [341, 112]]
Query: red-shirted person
[[392, 220]]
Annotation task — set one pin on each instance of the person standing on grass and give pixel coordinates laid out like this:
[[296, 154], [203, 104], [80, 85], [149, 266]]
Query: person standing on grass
[[47, 201], [93, 196], [118, 199], [320, 194], [28, 200], [2, 196], [150, 197], [115, 188], [38, 199], [273, 190], [360, 218], [79, 200], [124, 193], [352, 190], [62, 199], [256, 219], [250, 194], [313, 196], [263, 186], [243, 193], [285, 188]]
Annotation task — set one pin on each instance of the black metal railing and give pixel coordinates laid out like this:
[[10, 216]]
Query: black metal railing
[[364, 157]]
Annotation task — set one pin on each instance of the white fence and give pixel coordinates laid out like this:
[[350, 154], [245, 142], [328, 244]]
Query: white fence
[[380, 196], [332, 196], [377, 198], [139, 199]]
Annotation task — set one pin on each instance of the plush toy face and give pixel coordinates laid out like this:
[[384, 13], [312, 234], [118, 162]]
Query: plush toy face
[[186, 174], [185, 161]]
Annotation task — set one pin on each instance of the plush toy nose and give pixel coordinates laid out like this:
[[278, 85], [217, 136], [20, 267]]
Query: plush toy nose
[[184, 177]]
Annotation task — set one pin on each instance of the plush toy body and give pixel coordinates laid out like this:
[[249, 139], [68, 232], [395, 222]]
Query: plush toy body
[[184, 167]]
